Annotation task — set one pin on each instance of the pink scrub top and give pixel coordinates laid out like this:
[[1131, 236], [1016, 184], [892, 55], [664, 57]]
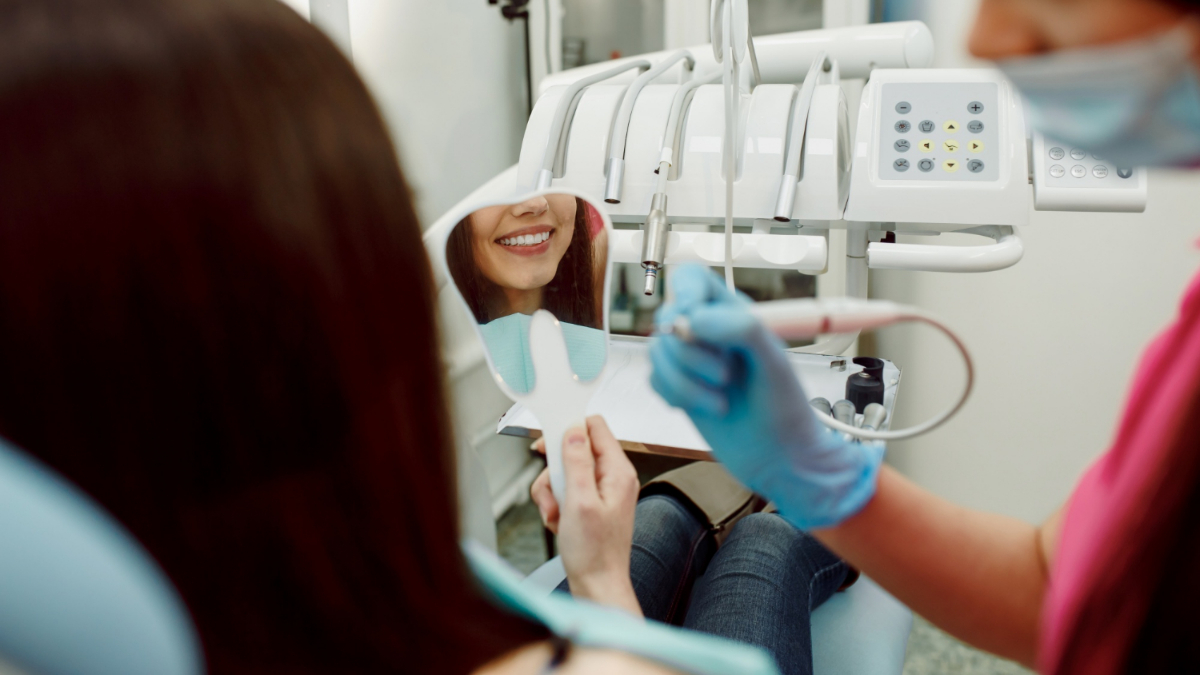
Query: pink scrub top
[[1110, 492]]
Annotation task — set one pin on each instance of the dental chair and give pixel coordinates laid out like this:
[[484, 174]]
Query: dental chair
[[860, 631], [78, 595]]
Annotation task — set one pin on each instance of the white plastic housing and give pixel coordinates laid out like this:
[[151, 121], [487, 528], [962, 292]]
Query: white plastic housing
[[696, 189], [784, 58], [998, 194], [1068, 179], [757, 251]]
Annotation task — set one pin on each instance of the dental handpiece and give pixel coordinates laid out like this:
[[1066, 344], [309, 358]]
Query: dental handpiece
[[806, 318], [822, 405], [873, 416], [654, 241], [843, 411]]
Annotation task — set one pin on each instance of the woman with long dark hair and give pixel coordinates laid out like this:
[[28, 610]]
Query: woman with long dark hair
[[217, 318], [539, 253], [1109, 583]]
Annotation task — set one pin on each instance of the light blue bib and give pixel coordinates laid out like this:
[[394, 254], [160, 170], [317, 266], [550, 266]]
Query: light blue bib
[[507, 340], [591, 625]]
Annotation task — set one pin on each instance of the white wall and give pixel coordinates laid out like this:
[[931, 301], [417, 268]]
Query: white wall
[[1056, 338], [450, 78]]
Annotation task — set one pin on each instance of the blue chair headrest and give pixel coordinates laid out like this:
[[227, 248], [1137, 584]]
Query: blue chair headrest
[[78, 595]]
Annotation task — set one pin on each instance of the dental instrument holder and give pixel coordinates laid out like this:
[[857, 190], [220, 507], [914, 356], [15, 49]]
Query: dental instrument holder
[[865, 388]]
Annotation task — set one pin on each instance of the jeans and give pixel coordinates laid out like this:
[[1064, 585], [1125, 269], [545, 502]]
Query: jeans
[[759, 587]]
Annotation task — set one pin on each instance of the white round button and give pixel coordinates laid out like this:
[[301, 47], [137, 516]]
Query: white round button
[[1057, 153], [1078, 171], [1076, 153], [1057, 171], [1100, 171]]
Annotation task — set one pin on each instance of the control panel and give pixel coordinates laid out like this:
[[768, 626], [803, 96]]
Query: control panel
[[1066, 178], [937, 132], [940, 146]]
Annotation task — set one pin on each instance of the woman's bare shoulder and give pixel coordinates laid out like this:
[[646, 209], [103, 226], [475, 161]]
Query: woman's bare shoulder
[[532, 660]]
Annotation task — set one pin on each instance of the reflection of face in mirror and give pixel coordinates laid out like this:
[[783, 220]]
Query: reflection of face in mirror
[[547, 252]]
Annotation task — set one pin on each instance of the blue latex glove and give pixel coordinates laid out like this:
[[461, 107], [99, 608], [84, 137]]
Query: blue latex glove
[[736, 384]]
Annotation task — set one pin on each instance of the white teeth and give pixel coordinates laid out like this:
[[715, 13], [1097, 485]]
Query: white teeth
[[526, 239]]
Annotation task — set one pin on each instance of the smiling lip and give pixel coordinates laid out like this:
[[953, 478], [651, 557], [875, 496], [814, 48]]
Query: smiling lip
[[528, 250]]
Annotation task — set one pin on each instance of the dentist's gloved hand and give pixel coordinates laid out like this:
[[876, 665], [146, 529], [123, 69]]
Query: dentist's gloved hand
[[736, 384]]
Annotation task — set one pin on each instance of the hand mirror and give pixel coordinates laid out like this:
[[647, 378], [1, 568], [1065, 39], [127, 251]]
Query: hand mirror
[[533, 274]]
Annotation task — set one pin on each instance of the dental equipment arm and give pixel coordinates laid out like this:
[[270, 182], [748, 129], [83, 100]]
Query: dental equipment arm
[[554, 141], [786, 202], [654, 242], [979, 576], [784, 58], [616, 148]]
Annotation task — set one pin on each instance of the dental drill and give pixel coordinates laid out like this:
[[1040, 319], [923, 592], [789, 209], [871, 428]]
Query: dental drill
[[654, 241], [807, 318]]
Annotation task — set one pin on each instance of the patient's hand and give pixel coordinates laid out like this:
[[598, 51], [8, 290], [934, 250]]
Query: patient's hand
[[595, 525]]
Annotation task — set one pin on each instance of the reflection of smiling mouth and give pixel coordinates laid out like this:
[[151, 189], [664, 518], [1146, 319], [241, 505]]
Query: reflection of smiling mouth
[[529, 241]]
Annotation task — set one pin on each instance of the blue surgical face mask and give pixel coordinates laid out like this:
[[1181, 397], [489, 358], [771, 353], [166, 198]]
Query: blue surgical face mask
[[1134, 104]]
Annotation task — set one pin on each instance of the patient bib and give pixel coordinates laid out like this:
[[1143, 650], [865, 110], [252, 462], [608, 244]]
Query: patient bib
[[590, 625], [507, 340]]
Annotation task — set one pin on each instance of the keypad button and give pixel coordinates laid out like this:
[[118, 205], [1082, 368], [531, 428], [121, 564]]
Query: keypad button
[[950, 165], [902, 145], [1124, 173], [950, 145], [1057, 171], [1076, 153], [951, 127], [975, 146], [926, 165], [1057, 153], [903, 107], [1100, 171], [975, 166], [925, 145], [1078, 171], [974, 107], [903, 126], [975, 126], [901, 165], [927, 126]]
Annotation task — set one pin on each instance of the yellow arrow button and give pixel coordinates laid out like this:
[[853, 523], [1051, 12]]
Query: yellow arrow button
[[950, 165], [975, 146], [950, 126], [926, 145]]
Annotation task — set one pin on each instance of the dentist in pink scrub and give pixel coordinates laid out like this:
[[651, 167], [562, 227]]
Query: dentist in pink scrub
[[1111, 582]]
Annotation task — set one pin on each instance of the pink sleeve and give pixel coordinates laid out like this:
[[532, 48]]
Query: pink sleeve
[[1110, 497]]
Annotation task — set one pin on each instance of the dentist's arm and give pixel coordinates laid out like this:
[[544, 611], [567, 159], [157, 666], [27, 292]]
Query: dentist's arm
[[978, 576]]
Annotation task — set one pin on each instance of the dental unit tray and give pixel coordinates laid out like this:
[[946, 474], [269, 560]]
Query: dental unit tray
[[643, 422]]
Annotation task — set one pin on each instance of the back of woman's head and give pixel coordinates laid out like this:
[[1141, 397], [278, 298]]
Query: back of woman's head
[[217, 318]]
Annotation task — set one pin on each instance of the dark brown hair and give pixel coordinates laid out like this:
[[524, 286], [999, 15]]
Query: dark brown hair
[[570, 296], [217, 318]]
